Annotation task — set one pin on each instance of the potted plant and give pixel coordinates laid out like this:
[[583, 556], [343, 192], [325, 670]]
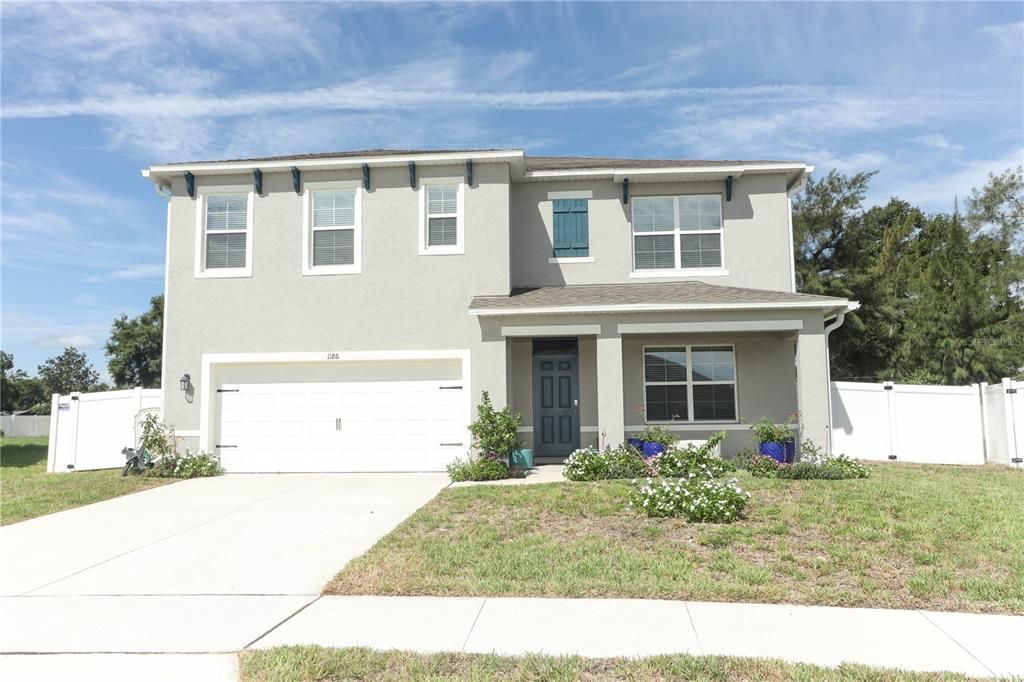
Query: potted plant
[[775, 440], [654, 440], [497, 432]]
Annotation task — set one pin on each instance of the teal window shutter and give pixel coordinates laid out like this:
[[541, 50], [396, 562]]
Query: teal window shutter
[[572, 230]]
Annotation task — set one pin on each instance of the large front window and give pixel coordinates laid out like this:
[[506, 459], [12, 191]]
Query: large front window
[[690, 383], [677, 233]]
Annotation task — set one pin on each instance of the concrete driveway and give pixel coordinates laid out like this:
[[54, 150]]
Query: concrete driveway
[[207, 565]]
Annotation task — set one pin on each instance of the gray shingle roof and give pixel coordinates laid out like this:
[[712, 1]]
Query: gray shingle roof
[[648, 293], [532, 162], [535, 163], [339, 155]]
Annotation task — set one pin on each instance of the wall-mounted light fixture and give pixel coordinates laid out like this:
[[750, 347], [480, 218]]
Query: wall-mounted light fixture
[[185, 382]]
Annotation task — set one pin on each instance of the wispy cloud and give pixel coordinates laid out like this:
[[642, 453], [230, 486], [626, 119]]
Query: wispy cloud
[[680, 64], [938, 141], [65, 340], [1009, 35], [141, 271]]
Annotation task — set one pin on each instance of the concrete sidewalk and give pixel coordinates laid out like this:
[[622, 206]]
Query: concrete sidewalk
[[973, 644]]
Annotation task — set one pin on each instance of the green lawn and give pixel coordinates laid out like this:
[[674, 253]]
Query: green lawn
[[929, 537], [27, 491], [306, 663]]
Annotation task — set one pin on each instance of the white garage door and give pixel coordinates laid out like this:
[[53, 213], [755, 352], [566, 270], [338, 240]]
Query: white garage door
[[341, 426]]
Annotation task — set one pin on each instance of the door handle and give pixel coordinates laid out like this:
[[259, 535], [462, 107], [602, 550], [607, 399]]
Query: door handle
[[337, 423]]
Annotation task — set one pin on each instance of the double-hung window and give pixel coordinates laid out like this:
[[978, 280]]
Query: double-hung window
[[677, 235], [225, 245], [332, 243], [442, 224], [690, 383]]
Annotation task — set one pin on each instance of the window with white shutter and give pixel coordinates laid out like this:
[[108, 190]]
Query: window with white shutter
[[442, 228], [224, 245], [331, 242], [677, 235]]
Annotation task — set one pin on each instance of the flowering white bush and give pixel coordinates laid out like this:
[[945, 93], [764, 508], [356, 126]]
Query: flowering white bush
[[591, 464], [189, 465], [696, 497]]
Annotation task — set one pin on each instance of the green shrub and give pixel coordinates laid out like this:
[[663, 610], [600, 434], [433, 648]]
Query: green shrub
[[806, 471], [157, 437], [494, 430], [654, 433], [761, 466], [696, 498], [766, 431], [190, 465], [846, 467], [488, 467], [591, 464], [681, 462]]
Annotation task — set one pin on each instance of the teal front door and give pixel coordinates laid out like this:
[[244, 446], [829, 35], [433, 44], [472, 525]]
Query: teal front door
[[556, 405]]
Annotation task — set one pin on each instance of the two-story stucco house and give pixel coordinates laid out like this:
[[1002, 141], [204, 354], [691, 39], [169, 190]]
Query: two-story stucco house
[[344, 312]]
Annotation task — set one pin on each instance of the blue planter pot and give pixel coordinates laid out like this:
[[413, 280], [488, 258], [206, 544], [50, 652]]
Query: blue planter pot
[[522, 459], [635, 443], [651, 449], [776, 451]]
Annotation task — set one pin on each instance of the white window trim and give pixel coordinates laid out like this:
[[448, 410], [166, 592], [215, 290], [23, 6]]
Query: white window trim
[[572, 259], [308, 269], [459, 247], [676, 232], [201, 271], [690, 383]]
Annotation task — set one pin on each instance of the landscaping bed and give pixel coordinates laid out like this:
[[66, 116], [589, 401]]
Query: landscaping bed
[[928, 537], [303, 663], [27, 490]]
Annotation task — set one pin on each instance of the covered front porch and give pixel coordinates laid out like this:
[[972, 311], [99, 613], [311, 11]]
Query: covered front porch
[[584, 377]]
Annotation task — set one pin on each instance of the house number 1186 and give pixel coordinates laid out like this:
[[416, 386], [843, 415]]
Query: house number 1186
[[333, 356]]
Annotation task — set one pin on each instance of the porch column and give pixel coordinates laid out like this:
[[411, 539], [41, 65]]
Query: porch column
[[812, 385], [490, 372], [611, 423]]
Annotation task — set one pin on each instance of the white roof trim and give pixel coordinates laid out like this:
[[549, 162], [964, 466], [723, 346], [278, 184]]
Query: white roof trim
[[660, 307], [337, 162]]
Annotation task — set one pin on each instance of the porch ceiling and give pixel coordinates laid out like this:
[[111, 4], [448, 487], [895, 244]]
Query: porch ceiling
[[648, 297]]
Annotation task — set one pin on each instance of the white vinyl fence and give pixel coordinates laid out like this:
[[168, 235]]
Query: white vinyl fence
[[929, 424], [88, 430], [24, 425]]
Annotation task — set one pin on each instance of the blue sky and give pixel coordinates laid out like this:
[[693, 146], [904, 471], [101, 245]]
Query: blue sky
[[931, 95]]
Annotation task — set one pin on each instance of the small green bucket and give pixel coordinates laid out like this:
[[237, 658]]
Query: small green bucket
[[522, 459]]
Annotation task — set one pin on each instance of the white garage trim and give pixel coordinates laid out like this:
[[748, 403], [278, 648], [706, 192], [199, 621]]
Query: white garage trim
[[211, 359]]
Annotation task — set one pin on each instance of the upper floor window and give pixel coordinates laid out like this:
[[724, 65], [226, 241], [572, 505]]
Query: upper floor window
[[571, 230], [681, 233], [224, 248], [332, 242], [441, 230]]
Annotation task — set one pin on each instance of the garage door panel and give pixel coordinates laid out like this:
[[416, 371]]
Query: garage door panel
[[342, 426]]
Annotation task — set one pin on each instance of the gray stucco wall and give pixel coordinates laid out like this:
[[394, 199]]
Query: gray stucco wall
[[400, 301], [755, 233]]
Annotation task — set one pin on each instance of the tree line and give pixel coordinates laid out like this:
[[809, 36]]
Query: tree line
[[942, 294], [133, 359]]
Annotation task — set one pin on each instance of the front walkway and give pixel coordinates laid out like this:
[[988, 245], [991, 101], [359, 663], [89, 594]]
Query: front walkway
[[973, 644]]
